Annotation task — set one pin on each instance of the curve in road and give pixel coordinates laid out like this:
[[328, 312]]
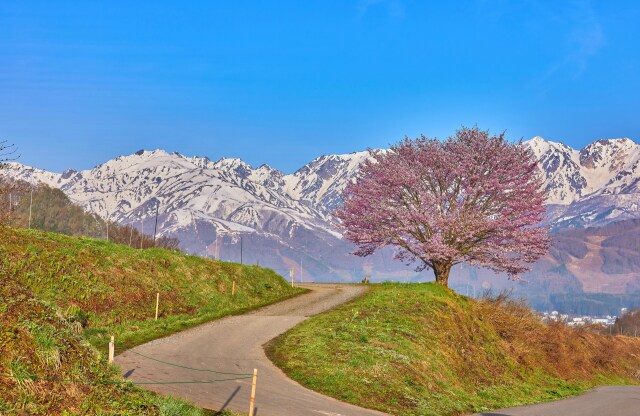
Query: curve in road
[[234, 345], [605, 400]]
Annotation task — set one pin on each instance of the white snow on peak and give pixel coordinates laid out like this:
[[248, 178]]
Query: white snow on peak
[[320, 182], [30, 174], [230, 195], [571, 175], [231, 162]]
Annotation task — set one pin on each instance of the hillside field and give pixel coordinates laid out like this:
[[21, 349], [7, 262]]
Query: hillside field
[[63, 297], [421, 349]]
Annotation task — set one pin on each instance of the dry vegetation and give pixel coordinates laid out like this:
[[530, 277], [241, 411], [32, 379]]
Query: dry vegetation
[[564, 352], [34, 341]]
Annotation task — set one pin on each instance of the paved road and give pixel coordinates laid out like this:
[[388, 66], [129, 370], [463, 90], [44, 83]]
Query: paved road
[[606, 400], [234, 345]]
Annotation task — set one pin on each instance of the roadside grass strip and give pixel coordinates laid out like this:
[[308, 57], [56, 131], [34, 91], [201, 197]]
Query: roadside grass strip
[[62, 297]]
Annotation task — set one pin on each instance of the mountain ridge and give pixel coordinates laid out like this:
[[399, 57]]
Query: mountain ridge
[[286, 218]]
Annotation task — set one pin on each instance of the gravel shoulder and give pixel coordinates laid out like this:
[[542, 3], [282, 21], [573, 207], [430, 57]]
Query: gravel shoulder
[[235, 345]]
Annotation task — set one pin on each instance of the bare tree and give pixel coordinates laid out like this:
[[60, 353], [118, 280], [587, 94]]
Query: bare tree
[[7, 152], [7, 187]]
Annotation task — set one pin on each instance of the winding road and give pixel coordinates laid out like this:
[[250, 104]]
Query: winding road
[[234, 345], [605, 400]]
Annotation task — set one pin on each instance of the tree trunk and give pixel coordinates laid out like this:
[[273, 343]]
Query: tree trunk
[[441, 269]]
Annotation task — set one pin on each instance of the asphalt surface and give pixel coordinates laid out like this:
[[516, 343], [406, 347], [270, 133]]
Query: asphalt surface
[[234, 345], [601, 401]]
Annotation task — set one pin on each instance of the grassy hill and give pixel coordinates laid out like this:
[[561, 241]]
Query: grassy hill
[[421, 349], [59, 294]]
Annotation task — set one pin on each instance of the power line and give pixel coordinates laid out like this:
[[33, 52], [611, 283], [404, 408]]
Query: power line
[[60, 380], [189, 368]]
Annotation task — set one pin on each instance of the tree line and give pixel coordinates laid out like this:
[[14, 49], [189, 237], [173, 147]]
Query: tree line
[[628, 324], [42, 207]]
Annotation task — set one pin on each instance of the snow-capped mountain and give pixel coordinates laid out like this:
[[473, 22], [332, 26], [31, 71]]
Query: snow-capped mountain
[[319, 184], [285, 219], [592, 186]]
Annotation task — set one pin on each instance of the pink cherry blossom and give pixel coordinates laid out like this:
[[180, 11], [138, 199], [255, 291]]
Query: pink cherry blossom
[[472, 198]]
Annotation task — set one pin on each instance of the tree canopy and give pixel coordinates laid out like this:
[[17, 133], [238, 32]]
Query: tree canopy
[[472, 198]]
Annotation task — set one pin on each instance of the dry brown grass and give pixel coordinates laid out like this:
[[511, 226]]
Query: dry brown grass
[[565, 352]]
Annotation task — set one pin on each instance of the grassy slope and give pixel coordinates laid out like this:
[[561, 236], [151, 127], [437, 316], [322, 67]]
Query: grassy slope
[[52, 284], [35, 341], [423, 350], [115, 286]]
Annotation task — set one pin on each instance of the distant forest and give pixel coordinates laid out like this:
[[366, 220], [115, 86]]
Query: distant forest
[[44, 208]]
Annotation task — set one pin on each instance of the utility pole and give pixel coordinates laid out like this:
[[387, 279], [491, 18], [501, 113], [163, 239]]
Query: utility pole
[[131, 233], [30, 207], [141, 233], [155, 229], [241, 250]]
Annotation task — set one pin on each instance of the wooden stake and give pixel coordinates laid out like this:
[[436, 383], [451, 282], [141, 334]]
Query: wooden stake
[[157, 304], [253, 392], [112, 349], [233, 288]]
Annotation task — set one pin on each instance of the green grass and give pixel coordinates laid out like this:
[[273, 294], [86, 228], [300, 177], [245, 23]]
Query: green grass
[[110, 289], [61, 298], [421, 349]]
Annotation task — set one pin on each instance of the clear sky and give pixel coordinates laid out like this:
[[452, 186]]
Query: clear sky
[[281, 82]]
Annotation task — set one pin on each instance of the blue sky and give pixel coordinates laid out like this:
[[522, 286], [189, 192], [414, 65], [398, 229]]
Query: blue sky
[[281, 82]]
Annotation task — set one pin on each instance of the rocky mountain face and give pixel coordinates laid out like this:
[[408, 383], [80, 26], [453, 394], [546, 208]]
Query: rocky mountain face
[[582, 262], [224, 209], [230, 210], [592, 186]]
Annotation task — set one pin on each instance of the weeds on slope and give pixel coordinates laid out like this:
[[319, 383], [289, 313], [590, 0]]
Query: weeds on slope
[[421, 349], [57, 293], [106, 289]]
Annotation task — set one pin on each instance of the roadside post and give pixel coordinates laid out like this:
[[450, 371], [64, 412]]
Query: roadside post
[[112, 349], [157, 304], [253, 392], [291, 274]]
